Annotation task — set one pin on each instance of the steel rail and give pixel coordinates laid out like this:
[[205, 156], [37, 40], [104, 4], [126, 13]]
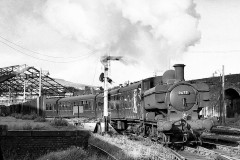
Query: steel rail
[[176, 156], [110, 155], [206, 152], [230, 149], [168, 154]]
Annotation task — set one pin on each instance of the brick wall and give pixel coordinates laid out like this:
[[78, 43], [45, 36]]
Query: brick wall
[[32, 144]]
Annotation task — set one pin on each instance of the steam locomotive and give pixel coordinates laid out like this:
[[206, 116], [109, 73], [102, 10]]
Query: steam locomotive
[[165, 108]]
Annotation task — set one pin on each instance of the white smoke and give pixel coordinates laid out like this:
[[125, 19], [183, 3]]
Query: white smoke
[[148, 31]]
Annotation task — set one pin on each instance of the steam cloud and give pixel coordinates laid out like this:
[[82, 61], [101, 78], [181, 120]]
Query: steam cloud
[[144, 31]]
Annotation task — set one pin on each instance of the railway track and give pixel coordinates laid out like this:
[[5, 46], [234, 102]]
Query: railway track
[[103, 152], [226, 130], [202, 153], [211, 151], [207, 152], [230, 151]]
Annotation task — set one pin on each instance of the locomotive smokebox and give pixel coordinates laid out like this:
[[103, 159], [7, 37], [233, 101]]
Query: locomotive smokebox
[[179, 72]]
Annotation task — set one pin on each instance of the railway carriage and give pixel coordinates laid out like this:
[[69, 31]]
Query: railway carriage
[[77, 106], [124, 103], [51, 107]]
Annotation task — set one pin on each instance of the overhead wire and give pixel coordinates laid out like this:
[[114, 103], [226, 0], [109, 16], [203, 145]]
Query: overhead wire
[[35, 51], [215, 51], [80, 58]]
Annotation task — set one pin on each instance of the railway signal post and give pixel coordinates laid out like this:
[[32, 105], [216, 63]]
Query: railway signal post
[[105, 61]]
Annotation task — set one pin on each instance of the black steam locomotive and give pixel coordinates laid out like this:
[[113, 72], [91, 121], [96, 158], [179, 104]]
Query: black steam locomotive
[[166, 108]]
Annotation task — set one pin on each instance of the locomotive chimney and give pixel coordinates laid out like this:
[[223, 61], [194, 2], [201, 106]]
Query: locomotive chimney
[[179, 72]]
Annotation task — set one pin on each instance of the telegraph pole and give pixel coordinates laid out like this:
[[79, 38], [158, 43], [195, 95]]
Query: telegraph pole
[[40, 90], [40, 82], [224, 111], [24, 91]]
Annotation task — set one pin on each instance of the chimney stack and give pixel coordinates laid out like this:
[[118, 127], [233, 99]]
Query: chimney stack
[[179, 72]]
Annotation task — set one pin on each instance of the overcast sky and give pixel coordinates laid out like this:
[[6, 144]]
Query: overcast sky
[[68, 37]]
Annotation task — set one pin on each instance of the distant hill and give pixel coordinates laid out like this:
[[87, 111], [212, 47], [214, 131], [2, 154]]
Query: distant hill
[[71, 84]]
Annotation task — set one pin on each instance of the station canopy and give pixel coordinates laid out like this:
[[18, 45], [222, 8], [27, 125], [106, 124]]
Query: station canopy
[[22, 79]]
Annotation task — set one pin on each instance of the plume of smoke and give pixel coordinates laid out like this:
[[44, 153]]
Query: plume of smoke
[[148, 31], [142, 31]]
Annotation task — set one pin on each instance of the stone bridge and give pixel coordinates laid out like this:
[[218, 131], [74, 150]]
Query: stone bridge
[[232, 95]]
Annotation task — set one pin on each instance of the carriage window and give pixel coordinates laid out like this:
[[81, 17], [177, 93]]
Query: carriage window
[[125, 98], [99, 105], [80, 103], [146, 85], [131, 95], [62, 107], [68, 107], [112, 105], [91, 102], [85, 105], [89, 105]]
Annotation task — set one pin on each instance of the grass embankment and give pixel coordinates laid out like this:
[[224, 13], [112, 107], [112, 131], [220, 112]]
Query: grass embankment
[[125, 148], [33, 122], [118, 146], [74, 153]]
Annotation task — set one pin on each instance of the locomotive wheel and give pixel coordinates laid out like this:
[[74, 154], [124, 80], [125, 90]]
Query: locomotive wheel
[[165, 140]]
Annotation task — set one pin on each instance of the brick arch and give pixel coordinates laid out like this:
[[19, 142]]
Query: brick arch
[[232, 101], [232, 87]]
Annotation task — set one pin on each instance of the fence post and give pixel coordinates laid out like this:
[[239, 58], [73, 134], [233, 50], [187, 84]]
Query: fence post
[[3, 132]]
